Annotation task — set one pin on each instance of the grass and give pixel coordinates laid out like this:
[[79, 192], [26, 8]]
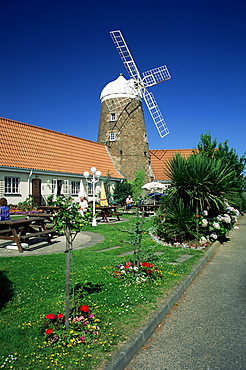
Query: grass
[[34, 286]]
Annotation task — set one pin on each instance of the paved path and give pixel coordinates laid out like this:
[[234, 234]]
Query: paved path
[[207, 330], [38, 246]]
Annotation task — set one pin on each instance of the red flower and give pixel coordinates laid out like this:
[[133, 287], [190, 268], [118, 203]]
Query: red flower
[[128, 264], [148, 271], [60, 316], [147, 264], [85, 308], [51, 316], [48, 331]]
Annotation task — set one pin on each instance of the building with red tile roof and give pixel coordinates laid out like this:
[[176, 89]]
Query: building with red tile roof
[[41, 162], [34, 156], [160, 158]]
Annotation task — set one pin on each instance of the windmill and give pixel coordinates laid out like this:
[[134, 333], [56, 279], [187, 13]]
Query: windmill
[[138, 85]]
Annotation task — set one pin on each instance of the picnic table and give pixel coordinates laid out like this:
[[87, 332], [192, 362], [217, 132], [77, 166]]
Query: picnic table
[[49, 209], [148, 209], [48, 217], [22, 229], [107, 211]]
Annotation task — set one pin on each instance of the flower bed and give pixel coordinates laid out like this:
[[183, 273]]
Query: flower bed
[[18, 211], [83, 329], [140, 273]]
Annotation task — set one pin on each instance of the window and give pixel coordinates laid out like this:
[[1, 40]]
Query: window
[[12, 185], [65, 187], [75, 187], [112, 136], [54, 186], [113, 117], [89, 189]]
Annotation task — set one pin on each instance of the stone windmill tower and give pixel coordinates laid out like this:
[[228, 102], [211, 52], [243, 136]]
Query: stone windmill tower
[[122, 129], [122, 126]]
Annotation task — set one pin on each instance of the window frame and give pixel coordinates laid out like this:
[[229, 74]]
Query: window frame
[[75, 187], [112, 117], [12, 186], [112, 136]]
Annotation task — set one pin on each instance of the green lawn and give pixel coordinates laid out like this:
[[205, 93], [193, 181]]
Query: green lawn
[[34, 286]]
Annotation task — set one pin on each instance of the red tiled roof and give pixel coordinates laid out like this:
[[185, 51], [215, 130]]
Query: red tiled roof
[[159, 159], [32, 147]]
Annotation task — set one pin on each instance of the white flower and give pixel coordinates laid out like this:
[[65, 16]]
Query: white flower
[[227, 219], [219, 218], [203, 240], [216, 225], [135, 268], [204, 222], [214, 236], [205, 213], [237, 212]]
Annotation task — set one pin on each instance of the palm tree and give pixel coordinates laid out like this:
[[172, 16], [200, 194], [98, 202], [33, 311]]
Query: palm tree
[[199, 182]]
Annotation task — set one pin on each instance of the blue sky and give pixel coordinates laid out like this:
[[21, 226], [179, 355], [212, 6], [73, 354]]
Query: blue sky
[[56, 57]]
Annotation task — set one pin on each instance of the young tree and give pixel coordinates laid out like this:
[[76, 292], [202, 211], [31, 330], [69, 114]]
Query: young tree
[[69, 222]]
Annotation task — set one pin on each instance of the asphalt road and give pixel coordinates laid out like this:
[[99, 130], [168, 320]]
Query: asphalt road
[[207, 329]]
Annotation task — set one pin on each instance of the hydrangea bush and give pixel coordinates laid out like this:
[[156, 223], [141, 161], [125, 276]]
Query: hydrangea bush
[[216, 228]]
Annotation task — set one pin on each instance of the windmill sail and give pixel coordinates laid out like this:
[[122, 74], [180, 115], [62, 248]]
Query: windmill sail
[[150, 78], [125, 54], [155, 113]]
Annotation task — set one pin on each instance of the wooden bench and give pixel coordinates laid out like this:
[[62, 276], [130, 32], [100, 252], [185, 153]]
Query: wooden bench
[[5, 231], [32, 235]]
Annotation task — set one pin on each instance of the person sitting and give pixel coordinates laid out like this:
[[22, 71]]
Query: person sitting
[[4, 210], [129, 202], [83, 205]]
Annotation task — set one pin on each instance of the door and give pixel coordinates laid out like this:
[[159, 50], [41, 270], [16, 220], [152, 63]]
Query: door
[[36, 191]]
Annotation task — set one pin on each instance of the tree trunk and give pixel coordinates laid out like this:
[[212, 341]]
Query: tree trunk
[[67, 290]]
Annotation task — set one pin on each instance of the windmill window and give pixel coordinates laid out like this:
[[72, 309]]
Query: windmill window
[[145, 154], [120, 152], [113, 117], [112, 136]]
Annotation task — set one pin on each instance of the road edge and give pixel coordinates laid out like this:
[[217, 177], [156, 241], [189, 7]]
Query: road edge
[[125, 354]]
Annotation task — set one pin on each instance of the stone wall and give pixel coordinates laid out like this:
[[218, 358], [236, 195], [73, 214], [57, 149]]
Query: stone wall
[[130, 149]]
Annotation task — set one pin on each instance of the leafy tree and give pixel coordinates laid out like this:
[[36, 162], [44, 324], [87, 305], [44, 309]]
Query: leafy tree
[[137, 184], [209, 148], [121, 192]]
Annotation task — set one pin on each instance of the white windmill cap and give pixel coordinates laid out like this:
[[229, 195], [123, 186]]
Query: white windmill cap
[[120, 88]]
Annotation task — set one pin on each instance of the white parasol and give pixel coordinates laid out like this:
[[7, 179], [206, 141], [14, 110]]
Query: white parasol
[[155, 185], [82, 191]]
